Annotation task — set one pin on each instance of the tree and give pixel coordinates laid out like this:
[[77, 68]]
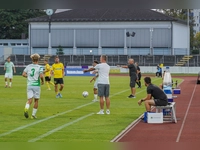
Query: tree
[[197, 43], [13, 22], [59, 50], [181, 14]]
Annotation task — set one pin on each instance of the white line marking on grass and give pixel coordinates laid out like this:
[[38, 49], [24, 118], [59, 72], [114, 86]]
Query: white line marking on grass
[[59, 128], [45, 119], [183, 123]]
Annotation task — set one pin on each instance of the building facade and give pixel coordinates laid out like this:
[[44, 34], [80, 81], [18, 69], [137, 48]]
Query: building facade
[[103, 31]]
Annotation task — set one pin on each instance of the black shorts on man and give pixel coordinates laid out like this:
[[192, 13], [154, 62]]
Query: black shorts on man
[[159, 102], [132, 81], [47, 78], [58, 81]]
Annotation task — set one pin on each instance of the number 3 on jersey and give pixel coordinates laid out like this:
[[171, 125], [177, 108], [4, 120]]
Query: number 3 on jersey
[[32, 72]]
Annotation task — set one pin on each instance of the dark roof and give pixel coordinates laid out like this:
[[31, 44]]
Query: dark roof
[[104, 15]]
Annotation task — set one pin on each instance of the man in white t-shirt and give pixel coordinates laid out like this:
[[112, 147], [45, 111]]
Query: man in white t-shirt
[[33, 73], [9, 67], [103, 83]]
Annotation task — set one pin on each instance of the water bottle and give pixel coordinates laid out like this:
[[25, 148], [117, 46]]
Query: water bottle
[[167, 83]]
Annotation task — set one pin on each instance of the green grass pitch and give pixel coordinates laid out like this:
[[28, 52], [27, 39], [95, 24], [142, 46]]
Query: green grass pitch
[[71, 118]]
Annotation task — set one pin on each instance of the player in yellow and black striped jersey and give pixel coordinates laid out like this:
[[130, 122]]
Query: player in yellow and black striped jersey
[[47, 73], [58, 72]]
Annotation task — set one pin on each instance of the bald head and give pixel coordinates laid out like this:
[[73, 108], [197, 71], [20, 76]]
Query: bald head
[[131, 61]]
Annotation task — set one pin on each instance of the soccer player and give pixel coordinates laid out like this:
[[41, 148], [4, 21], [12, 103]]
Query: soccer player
[[58, 72], [9, 67], [95, 78], [33, 73], [47, 73], [103, 83]]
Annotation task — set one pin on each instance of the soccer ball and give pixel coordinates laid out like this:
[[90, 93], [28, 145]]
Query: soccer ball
[[85, 94]]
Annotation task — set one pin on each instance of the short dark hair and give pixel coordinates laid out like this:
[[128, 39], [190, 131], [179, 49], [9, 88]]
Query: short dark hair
[[95, 61], [147, 80], [46, 60], [56, 57], [8, 57]]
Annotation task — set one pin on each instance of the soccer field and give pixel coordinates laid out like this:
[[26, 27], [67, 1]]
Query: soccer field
[[71, 118]]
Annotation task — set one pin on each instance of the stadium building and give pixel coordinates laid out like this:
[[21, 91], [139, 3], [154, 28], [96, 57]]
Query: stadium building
[[104, 32], [84, 34]]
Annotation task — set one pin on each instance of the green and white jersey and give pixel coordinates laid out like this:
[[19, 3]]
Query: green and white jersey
[[33, 74], [9, 67]]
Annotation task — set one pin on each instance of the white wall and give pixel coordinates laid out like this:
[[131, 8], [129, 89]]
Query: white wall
[[180, 36]]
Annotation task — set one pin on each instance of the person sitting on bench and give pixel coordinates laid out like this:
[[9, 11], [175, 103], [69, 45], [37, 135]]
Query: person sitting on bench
[[159, 97]]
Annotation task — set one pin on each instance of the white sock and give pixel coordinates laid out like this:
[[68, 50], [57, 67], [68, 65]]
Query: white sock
[[34, 112], [27, 106], [95, 96], [102, 110], [10, 83], [6, 83]]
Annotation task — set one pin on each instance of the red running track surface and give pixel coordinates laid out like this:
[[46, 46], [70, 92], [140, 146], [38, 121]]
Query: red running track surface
[[187, 127]]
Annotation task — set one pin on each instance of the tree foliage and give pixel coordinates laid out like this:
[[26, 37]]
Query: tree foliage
[[13, 22], [59, 50], [182, 14], [197, 43]]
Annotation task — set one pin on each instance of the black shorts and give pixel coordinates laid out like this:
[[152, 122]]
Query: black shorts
[[132, 81], [58, 81], [47, 78], [139, 76], [159, 102]]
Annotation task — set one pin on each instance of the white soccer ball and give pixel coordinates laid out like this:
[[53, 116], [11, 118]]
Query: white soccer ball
[[85, 94]]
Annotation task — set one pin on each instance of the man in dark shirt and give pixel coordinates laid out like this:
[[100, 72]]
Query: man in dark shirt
[[139, 75], [133, 76], [159, 97]]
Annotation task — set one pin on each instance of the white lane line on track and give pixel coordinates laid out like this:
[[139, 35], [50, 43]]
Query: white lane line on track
[[59, 128], [185, 117], [132, 125]]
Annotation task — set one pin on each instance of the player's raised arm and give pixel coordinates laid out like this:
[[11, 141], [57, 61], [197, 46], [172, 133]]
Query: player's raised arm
[[122, 66], [88, 70]]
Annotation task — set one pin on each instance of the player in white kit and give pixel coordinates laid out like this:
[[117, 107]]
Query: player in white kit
[[9, 67], [33, 73], [95, 78]]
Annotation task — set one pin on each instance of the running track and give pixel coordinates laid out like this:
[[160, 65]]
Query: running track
[[187, 128]]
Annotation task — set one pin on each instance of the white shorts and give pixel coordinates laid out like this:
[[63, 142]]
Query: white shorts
[[9, 75], [33, 92], [96, 84]]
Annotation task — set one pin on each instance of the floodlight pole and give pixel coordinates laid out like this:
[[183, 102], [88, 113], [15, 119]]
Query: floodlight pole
[[188, 26], [49, 47], [128, 34]]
